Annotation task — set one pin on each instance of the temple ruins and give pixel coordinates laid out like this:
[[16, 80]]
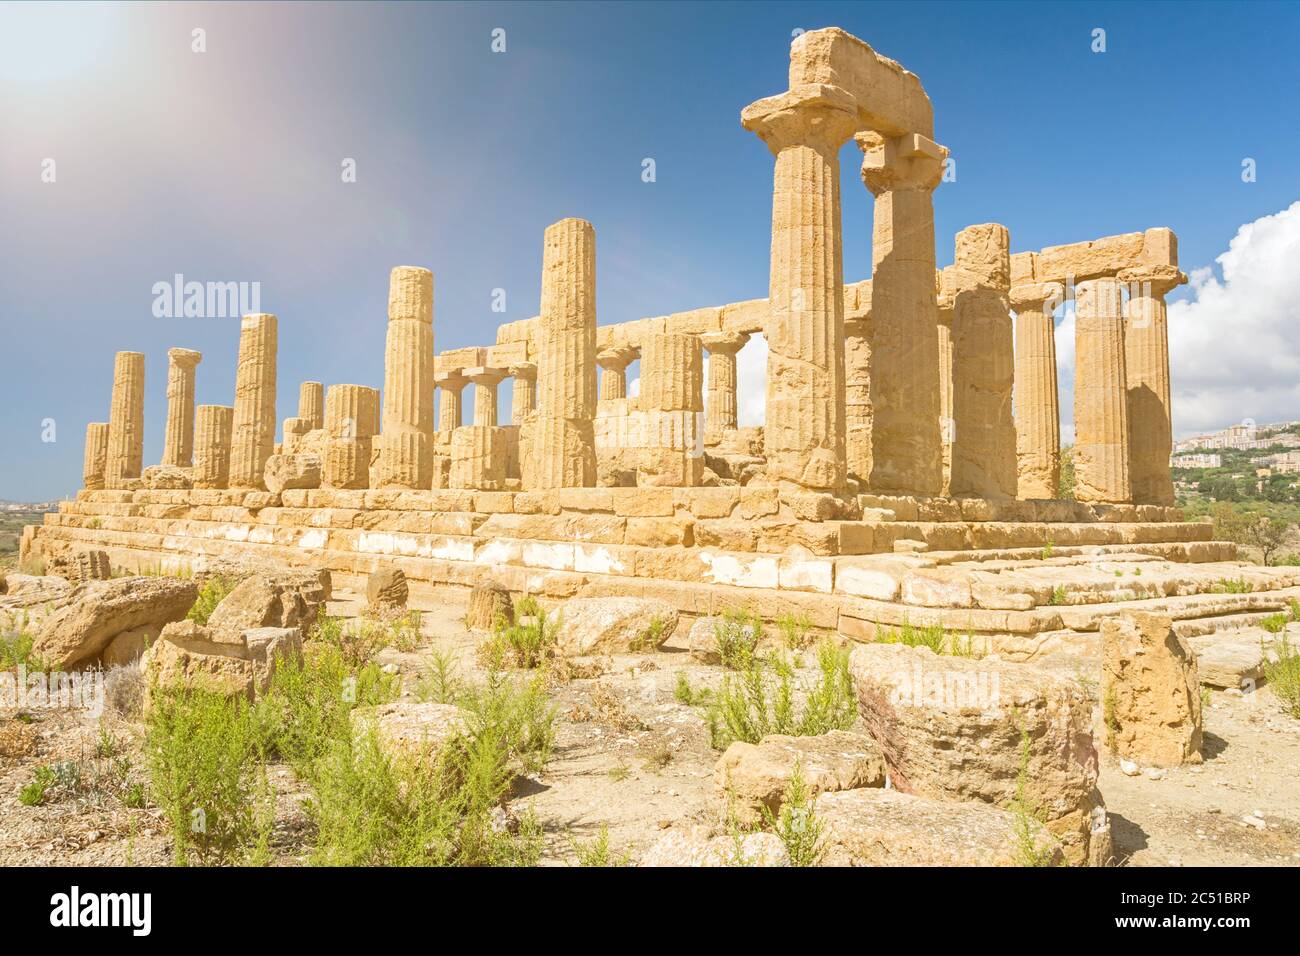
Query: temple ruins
[[908, 468]]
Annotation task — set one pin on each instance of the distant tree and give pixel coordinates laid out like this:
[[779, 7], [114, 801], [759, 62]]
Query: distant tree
[[1267, 534], [1065, 487]]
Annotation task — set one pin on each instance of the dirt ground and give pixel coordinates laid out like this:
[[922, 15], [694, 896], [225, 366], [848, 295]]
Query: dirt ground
[[630, 758]]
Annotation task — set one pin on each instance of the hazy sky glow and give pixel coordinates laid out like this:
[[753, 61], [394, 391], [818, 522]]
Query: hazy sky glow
[[225, 166]]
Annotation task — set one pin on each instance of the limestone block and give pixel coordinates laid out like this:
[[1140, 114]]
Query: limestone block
[[478, 458], [542, 468], [613, 625], [286, 472], [1151, 695], [871, 827], [698, 847], [167, 477], [955, 728], [387, 590], [750, 779], [489, 603], [295, 431], [98, 611]]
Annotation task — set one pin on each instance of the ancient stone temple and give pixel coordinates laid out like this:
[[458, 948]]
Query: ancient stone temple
[[908, 467]]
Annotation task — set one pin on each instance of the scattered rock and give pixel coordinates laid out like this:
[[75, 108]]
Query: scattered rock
[[267, 646], [411, 730], [387, 590], [1129, 768], [279, 599], [888, 828], [82, 566], [167, 478], [189, 657], [1151, 697], [956, 728], [489, 603], [1229, 658], [613, 625], [96, 613], [694, 847], [749, 777]]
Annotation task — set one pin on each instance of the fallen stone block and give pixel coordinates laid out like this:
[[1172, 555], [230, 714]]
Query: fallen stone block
[[99, 611], [489, 603], [613, 625], [1150, 692], [694, 847]]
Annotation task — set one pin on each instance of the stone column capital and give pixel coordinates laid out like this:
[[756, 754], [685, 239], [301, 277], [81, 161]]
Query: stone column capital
[[485, 376], [184, 358], [815, 114], [451, 381], [724, 343], [617, 358], [1160, 279], [1036, 297], [524, 370], [911, 161]]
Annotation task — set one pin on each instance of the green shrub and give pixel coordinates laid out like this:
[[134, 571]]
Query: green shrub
[[33, 794], [597, 853], [526, 643], [794, 630], [933, 636], [1274, 623], [737, 633], [360, 639], [440, 682], [1028, 818], [213, 591], [761, 700], [797, 825], [1283, 675], [206, 773], [1059, 596], [1231, 586]]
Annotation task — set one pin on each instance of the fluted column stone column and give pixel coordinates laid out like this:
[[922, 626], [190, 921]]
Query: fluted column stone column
[[406, 449], [1146, 357], [613, 364], [450, 385], [95, 457], [212, 430], [1101, 425], [178, 439], [125, 455], [803, 436], [252, 438], [311, 404], [523, 399], [1038, 408], [485, 382], [720, 407]]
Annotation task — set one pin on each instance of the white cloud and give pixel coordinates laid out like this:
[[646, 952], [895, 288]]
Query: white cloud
[[751, 382], [1234, 347]]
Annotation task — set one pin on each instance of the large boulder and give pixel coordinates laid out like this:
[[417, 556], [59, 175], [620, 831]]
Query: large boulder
[[167, 477], [696, 847], [286, 472], [1150, 692], [97, 612], [889, 828], [1231, 659], [751, 778], [613, 625], [189, 657], [966, 729], [489, 603], [266, 647], [290, 598]]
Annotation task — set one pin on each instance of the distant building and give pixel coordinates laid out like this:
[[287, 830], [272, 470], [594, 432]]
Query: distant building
[[1196, 461]]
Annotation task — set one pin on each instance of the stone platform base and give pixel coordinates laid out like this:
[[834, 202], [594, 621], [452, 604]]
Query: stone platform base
[[1023, 577]]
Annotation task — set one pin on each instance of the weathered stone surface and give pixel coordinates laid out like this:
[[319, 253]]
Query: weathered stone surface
[[128, 647], [167, 478], [125, 454], [279, 599], [186, 657], [266, 647], [489, 603], [702, 639], [406, 455], [870, 827], [386, 589], [696, 847], [953, 727], [82, 566], [97, 612], [1101, 425], [212, 429], [252, 436], [1150, 693], [749, 778], [613, 625], [1229, 658], [178, 438], [288, 472]]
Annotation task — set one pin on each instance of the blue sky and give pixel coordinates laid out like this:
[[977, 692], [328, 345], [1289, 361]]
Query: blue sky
[[225, 165]]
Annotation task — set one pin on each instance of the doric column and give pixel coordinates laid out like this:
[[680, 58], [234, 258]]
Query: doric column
[[450, 385], [212, 427], [406, 451], [1101, 427], [178, 441], [944, 292], [983, 366], [804, 431], [292, 431], [857, 399], [311, 404], [485, 381], [613, 364], [720, 411], [252, 437], [559, 449], [125, 420], [670, 406], [901, 173], [1146, 357], [96, 456], [349, 430], [524, 398], [1038, 410]]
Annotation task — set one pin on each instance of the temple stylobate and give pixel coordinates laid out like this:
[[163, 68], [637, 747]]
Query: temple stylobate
[[911, 419]]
